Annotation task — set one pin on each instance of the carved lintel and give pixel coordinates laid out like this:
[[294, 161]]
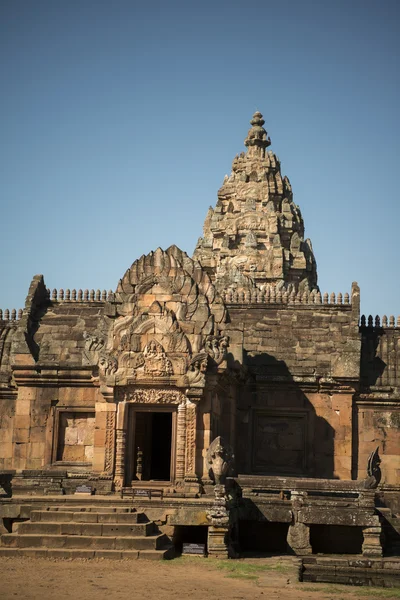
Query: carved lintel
[[151, 395]]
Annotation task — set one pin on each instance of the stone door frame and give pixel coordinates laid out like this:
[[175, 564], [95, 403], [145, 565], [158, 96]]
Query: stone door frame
[[186, 426]]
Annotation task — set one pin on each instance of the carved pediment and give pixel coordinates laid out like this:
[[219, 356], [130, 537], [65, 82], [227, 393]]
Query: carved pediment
[[156, 362]]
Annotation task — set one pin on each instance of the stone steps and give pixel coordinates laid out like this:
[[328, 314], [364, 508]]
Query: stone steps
[[391, 530], [86, 532], [95, 529], [87, 517], [90, 542], [163, 554]]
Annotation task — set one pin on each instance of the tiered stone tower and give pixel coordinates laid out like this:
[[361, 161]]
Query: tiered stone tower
[[254, 237]]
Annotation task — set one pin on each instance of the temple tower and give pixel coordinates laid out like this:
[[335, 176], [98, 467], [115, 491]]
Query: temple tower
[[254, 237]]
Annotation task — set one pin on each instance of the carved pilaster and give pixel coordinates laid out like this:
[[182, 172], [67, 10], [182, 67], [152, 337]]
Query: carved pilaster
[[181, 442], [110, 443], [191, 424], [121, 428], [120, 459]]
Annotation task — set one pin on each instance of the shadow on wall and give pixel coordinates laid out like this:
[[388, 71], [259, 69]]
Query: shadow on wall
[[278, 430], [372, 365]]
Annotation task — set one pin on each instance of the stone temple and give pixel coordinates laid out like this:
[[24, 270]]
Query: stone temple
[[220, 400]]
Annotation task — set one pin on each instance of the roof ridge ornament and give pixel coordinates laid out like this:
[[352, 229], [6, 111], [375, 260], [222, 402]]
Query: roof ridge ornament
[[257, 138]]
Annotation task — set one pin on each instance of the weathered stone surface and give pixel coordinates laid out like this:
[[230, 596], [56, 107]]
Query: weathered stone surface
[[130, 387], [254, 238]]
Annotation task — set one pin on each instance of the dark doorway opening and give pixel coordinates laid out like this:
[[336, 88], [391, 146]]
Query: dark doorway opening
[[336, 539], [263, 536], [153, 443]]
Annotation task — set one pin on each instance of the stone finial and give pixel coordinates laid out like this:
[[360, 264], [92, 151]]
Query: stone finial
[[257, 138]]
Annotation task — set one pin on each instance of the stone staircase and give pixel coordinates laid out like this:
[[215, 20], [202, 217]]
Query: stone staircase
[[391, 530], [86, 532]]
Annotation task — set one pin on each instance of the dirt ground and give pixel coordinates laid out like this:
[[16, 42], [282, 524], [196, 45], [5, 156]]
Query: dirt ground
[[183, 578]]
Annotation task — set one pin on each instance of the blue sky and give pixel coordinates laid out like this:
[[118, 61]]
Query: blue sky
[[120, 119]]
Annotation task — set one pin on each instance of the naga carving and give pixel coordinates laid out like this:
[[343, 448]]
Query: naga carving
[[196, 374], [374, 473], [108, 365], [220, 459], [93, 342], [95, 355], [216, 347]]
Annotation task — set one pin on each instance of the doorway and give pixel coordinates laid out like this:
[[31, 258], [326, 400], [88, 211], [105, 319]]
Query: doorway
[[152, 445]]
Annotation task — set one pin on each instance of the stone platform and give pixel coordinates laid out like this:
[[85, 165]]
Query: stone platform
[[351, 570]]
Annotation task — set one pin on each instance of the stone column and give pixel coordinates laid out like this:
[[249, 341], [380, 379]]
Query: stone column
[[372, 544], [298, 537], [218, 541]]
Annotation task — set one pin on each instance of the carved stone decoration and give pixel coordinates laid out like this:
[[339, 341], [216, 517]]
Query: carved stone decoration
[[216, 347], [220, 526], [374, 473], [176, 276], [151, 395], [191, 416], [255, 209], [108, 365], [298, 538], [120, 459], [195, 376], [156, 363], [93, 342], [220, 458], [181, 442], [95, 354], [218, 514], [139, 464], [110, 443]]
